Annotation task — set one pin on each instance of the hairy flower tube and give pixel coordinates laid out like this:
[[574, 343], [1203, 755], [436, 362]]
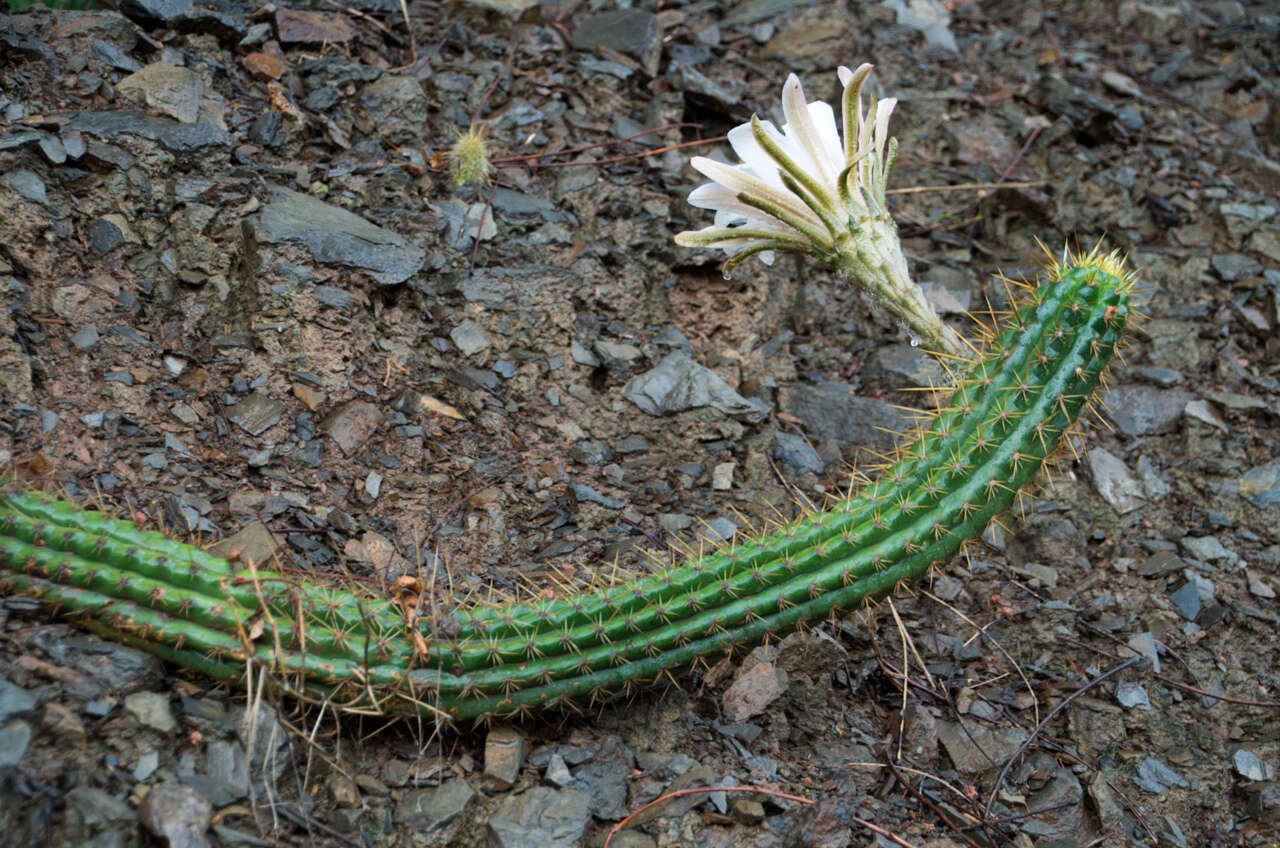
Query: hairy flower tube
[[815, 188]]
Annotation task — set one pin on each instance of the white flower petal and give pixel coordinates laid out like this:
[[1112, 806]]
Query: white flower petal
[[801, 131], [883, 110], [824, 122], [753, 156], [738, 181]]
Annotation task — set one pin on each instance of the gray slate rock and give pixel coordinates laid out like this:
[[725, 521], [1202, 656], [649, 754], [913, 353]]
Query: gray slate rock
[[337, 236], [540, 818], [1114, 482], [174, 136], [975, 748], [1139, 410], [1186, 600], [1155, 777], [427, 809], [256, 413], [831, 410], [1132, 695], [1261, 485], [27, 183], [605, 779], [177, 814], [630, 31], [792, 450], [154, 11], [678, 383], [14, 739], [14, 700], [1249, 766]]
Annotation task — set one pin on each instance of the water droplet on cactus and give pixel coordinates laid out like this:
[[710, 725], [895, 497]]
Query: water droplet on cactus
[[915, 342], [728, 275]]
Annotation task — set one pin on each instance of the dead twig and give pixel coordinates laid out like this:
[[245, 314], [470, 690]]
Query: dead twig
[[986, 813], [1186, 687]]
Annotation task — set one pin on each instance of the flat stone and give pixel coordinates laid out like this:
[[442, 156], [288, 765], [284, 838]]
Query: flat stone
[[901, 366], [678, 383], [540, 818], [14, 700], [753, 691], [151, 709], [630, 31], [352, 425], [14, 739], [154, 11], [256, 413], [177, 814], [470, 337], [794, 451], [1205, 548], [1261, 484], [96, 809], [300, 26], [1132, 695], [1250, 766], [254, 543], [1139, 410], [1114, 482], [397, 104], [428, 809], [1186, 600], [831, 410], [605, 778], [27, 183], [168, 89], [505, 749], [975, 748], [334, 235], [1155, 777]]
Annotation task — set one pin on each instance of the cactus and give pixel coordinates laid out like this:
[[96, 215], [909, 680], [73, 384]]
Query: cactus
[[366, 653]]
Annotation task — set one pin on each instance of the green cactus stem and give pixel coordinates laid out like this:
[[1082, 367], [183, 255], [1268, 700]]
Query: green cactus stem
[[367, 653]]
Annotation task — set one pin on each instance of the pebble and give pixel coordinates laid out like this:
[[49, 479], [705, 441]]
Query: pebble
[[256, 413], [428, 809], [540, 818], [352, 425], [14, 700], [1139, 410], [86, 338], [678, 383], [1155, 777], [177, 814], [1132, 695], [605, 777], [557, 773], [1114, 482], [1261, 485], [470, 337], [14, 739], [1249, 766], [152, 710], [585, 494], [795, 452], [974, 747], [505, 750], [753, 691]]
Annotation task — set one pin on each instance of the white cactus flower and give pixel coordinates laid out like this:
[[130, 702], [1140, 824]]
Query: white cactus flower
[[817, 188]]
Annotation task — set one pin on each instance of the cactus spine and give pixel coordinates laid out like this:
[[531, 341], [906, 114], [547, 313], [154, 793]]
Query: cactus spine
[[364, 653]]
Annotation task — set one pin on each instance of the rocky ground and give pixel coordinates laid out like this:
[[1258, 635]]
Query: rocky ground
[[245, 301]]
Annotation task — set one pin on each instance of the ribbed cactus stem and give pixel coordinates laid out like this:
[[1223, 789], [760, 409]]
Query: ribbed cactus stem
[[363, 652]]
